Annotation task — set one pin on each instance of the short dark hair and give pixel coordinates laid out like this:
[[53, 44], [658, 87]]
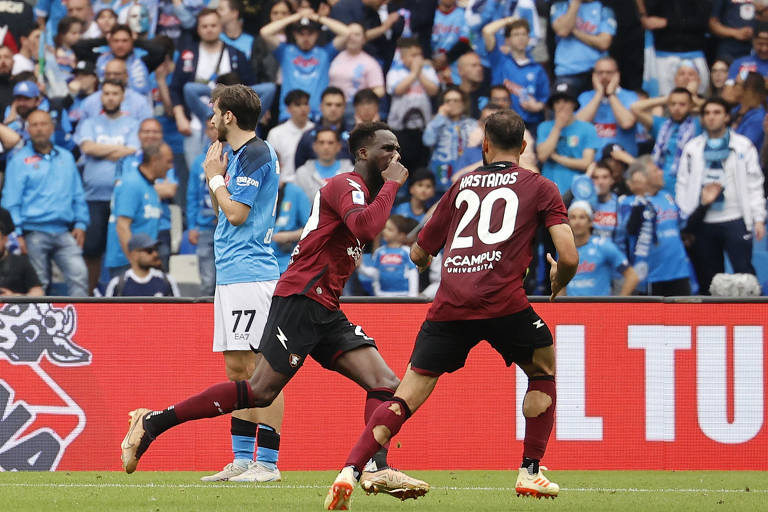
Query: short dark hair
[[121, 28], [64, 25], [242, 101], [235, 5], [761, 28], [407, 42], [715, 101], [332, 90], [421, 174], [505, 129], [365, 96], [455, 88], [205, 12], [166, 43], [681, 90], [113, 81], [403, 224], [295, 96], [327, 129], [519, 23], [363, 134], [498, 87], [754, 82]]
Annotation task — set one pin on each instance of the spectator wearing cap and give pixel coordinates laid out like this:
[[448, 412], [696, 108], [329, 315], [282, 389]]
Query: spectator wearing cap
[[304, 65], [203, 63], [44, 194], [599, 258], [285, 136], [607, 106], [525, 79], [566, 145], [201, 217], [144, 278], [315, 172], [103, 140], [136, 206], [584, 31], [17, 275], [733, 23], [26, 99], [151, 134], [756, 61], [134, 104], [720, 191], [671, 133], [680, 29], [332, 107]]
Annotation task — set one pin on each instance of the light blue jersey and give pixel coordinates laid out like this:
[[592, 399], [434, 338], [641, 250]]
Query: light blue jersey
[[571, 55], [244, 42], [129, 164], [134, 197], [99, 173], [605, 122], [574, 139], [200, 214], [243, 253], [598, 259], [307, 71]]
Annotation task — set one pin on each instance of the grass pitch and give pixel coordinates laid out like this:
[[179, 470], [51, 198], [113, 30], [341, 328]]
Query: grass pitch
[[451, 490]]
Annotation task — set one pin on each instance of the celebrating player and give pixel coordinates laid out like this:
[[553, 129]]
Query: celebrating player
[[486, 223], [305, 319], [246, 270]]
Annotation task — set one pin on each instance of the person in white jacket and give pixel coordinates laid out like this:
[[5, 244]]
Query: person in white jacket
[[720, 190]]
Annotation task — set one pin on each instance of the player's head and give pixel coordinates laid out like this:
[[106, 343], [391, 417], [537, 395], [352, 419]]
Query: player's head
[[374, 145], [518, 34], [679, 103], [580, 218], [40, 129], [422, 185], [504, 132], [602, 177], [396, 230], [235, 107]]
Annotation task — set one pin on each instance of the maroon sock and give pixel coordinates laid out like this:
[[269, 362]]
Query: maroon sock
[[218, 399], [538, 428], [384, 415]]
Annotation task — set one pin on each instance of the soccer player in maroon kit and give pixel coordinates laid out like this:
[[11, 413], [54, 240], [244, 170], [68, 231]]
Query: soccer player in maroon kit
[[486, 223], [304, 317]]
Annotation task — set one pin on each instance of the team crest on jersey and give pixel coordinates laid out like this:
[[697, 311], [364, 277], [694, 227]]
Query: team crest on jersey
[[294, 360]]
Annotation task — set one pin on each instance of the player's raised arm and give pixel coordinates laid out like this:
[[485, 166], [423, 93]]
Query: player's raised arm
[[564, 268]]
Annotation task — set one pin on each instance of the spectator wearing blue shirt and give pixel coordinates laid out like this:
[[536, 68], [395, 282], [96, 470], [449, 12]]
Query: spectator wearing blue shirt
[[747, 117], [293, 210], [655, 221], [144, 278], [201, 218], [448, 134], [479, 13], [566, 146], [584, 31], [525, 79], [305, 65], [421, 189], [315, 172], [450, 37], [607, 106], [605, 215], [134, 104], [44, 195], [121, 47], [103, 140], [136, 206], [757, 61], [392, 272], [670, 133], [599, 258], [733, 23]]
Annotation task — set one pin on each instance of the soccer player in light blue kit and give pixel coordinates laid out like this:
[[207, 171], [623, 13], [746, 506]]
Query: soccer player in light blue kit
[[244, 195], [598, 258]]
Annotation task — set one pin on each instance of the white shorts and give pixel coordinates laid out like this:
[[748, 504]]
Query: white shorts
[[240, 311]]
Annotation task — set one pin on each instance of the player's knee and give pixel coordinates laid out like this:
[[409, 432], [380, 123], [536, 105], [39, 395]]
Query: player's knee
[[263, 396], [536, 403], [388, 381], [382, 434], [236, 372]]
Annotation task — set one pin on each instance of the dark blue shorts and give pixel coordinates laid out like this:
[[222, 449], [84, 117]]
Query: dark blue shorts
[[96, 234]]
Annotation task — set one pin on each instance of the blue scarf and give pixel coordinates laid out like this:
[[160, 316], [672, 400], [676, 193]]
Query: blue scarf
[[685, 132], [716, 152]]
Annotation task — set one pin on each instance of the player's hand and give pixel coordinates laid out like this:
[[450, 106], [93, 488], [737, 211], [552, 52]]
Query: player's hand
[[194, 236], [79, 236], [556, 286], [215, 163], [426, 265], [395, 171]]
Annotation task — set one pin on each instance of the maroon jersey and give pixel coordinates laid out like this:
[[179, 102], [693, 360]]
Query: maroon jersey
[[486, 222], [340, 223]]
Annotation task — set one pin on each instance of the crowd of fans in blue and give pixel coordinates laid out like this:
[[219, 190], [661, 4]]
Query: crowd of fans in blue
[[649, 116]]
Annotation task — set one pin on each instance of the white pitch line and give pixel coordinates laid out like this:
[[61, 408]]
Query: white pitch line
[[283, 486]]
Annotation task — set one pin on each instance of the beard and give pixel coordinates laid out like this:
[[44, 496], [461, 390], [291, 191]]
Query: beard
[[221, 132], [111, 111]]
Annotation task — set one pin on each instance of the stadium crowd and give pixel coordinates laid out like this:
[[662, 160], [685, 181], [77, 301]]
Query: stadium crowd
[[649, 116]]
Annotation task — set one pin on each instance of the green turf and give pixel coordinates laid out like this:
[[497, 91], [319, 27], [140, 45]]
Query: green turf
[[451, 490]]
